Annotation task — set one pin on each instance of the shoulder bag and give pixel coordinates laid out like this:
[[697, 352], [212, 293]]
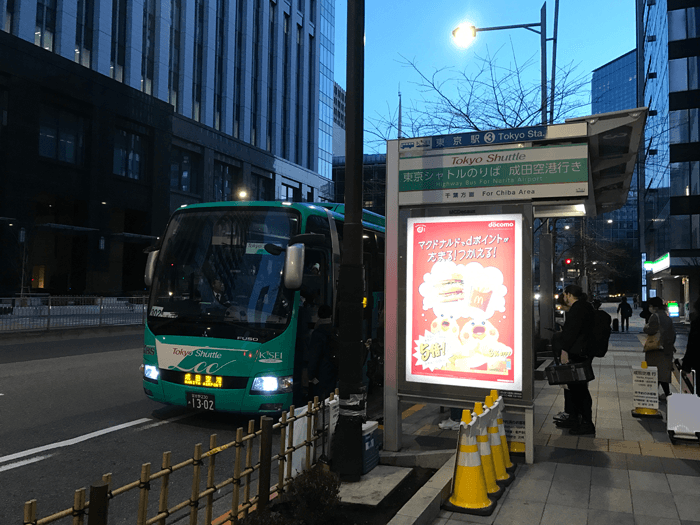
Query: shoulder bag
[[653, 342]]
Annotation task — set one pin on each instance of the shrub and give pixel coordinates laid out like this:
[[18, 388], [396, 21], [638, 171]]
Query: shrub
[[312, 498]]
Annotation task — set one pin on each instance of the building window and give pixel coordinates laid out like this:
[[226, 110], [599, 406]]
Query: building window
[[271, 77], [300, 99], [240, 21], [9, 15], [198, 60], [149, 46], [61, 136], [219, 64], [223, 181], [174, 66], [83, 33], [45, 24], [264, 188], [310, 117], [184, 170], [257, 59], [129, 155], [118, 52], [285, 95]]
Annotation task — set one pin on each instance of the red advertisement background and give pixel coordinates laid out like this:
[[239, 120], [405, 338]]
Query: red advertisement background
[[504, 260]]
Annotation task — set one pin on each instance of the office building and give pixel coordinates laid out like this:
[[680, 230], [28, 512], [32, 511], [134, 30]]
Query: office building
[[614, 88], [373, 182], [669, 185], [338, 121], [116, 113]]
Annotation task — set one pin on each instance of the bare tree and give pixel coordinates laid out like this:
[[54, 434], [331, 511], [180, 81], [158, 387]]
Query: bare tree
[[490, 94]]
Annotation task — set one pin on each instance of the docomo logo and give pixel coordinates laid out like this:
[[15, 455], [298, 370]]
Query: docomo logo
[[420, 228], [501, 225]]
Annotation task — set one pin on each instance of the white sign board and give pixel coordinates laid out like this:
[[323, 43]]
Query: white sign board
[[514, 426], [645, 387]]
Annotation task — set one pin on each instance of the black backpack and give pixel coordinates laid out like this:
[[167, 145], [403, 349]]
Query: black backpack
[[626, 310], [600, 334]]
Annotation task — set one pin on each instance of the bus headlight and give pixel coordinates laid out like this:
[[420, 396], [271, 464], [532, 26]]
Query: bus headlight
[[151, 372], [271, 385]]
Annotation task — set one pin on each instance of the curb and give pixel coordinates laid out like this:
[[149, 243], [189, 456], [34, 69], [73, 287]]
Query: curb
[[433, 459], [425, 504]]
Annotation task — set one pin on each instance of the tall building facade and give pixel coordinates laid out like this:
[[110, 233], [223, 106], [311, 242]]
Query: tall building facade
[[668, 32], [338, 121], [116, 112], [614, 88]]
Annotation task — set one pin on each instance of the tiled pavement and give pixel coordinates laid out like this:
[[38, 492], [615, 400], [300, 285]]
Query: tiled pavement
[[629, 473]]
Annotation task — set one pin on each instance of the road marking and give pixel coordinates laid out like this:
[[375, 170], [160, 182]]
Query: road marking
[[73, 441], [23, 462], [164, 421]]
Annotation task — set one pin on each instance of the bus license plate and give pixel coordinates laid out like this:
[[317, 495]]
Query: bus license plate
[[200, 401]]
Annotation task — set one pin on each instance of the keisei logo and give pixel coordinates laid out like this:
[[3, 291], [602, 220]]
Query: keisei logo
[[420, 228], [501, 225]]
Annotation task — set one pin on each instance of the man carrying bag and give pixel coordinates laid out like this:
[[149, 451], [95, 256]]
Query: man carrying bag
[[574, 348]]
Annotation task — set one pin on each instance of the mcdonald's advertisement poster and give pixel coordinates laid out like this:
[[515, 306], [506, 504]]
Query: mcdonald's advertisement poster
[[464, 301]]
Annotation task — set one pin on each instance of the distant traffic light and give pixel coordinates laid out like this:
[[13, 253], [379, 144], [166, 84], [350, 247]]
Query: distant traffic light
[[568, 261]]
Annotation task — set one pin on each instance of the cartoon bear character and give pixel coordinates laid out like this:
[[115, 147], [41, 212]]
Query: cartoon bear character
[[480, 348], [446, 328]]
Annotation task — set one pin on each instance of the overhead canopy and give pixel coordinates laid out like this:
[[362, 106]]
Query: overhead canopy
[[613, 142]]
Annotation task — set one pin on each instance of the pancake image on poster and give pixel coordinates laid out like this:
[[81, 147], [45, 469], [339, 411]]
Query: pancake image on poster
[[463, 291]]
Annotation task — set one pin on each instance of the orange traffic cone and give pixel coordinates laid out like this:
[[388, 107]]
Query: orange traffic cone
[[503, 478], [482, 423], [510, 466], [469, 494]]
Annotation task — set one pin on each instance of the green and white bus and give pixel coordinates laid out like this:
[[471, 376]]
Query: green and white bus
[[235, 291]]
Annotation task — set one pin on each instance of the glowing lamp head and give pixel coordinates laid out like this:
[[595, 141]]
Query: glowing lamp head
[[464, 34]]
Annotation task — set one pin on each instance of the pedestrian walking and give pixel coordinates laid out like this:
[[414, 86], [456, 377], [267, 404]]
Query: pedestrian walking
[[625, 311], [660, 352], [635, 301], [574, 342]]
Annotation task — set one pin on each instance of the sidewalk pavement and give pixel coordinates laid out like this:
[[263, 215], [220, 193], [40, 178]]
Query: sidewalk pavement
[[629, 473]]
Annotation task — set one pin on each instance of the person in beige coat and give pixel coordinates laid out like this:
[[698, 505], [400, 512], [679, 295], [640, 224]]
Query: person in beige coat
[[662, 359]]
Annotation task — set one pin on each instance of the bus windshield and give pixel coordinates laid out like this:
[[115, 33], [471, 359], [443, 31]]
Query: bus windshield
[[214, 277]]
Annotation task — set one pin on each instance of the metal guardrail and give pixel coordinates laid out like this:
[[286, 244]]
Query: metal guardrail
[[243, 468], [33, 313]]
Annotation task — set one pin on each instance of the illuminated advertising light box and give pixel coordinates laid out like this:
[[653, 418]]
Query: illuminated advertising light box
[[674, 309], [464, 301]]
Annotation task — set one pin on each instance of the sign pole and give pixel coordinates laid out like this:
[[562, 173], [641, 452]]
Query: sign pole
[[347, 442]]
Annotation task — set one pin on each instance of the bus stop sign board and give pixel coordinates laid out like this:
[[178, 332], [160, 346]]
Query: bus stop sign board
[[470, 175]]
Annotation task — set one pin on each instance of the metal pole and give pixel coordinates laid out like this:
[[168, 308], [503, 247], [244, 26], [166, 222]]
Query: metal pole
[[543, 60], [347, 462], [554, 59]]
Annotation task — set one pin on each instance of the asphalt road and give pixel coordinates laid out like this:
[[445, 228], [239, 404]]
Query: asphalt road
[[73, 410]]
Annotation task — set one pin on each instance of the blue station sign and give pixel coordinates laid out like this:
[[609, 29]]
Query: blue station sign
[[486, 138], [477, 138]]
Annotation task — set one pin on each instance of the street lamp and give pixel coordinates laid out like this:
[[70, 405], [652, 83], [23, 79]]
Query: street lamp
[[465, 33]]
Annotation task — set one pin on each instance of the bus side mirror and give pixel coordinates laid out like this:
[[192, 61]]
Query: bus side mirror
[[150, 267], [294, 266]]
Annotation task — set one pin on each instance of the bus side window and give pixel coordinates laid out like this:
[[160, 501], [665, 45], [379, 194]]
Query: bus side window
[[316, 224], [316, 274], [378, 281], [339, 228]]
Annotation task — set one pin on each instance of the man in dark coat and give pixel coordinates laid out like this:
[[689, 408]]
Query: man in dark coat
[[574, 341], [322, 370], [691, 359]]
